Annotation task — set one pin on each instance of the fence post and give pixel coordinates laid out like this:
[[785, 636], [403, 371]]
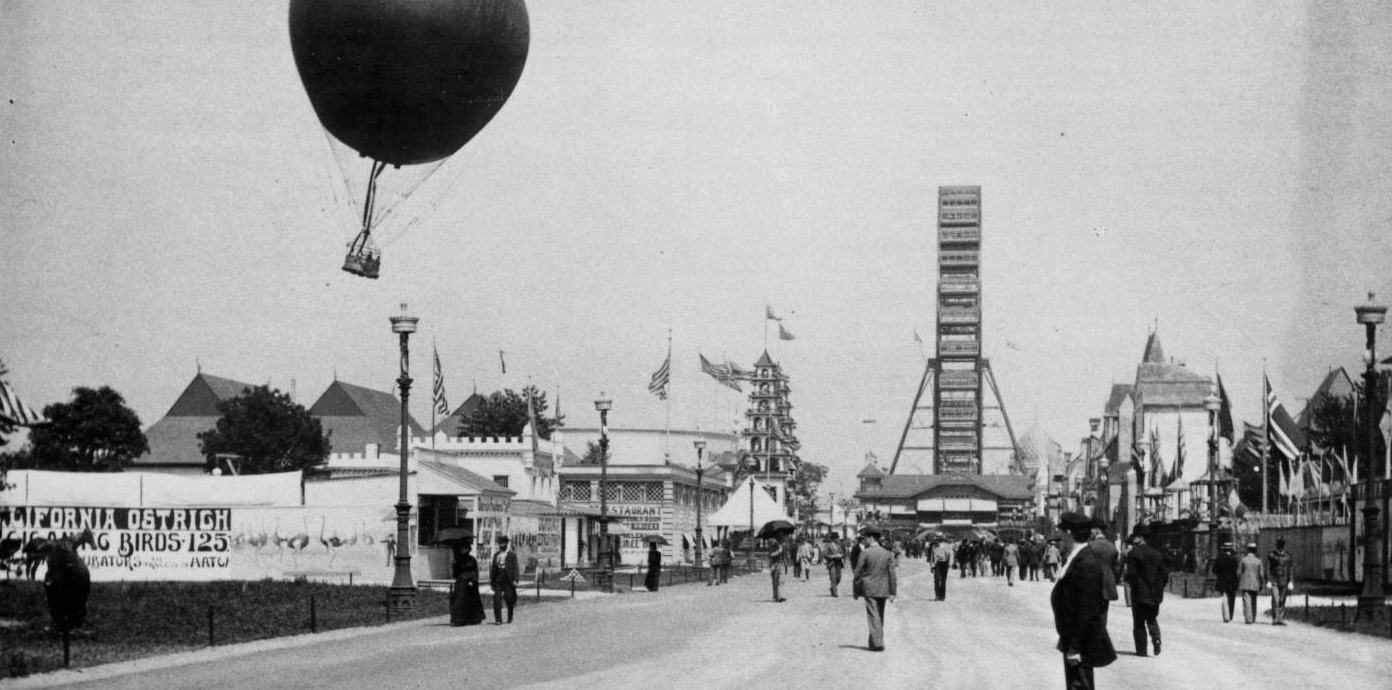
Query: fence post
[[538, 585], [1186, 588], [572, 588], [211, 638], [1307, 607], [313, 615], [1343, 612]]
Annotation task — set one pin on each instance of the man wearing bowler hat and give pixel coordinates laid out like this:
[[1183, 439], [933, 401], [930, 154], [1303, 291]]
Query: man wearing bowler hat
[[1077, 601], [502, 577], [1145, 572]]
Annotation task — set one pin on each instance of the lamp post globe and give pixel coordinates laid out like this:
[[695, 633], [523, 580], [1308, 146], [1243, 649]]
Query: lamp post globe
[[700, 445], [402, 594], [1371, 314], [606, 556]]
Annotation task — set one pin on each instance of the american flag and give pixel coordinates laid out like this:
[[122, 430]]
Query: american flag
[[13, 410], [783, 333], [660, 378], [440, 405]]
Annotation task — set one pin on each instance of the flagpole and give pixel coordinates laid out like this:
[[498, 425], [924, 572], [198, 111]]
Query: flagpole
[[667, 441], [1266, 437]]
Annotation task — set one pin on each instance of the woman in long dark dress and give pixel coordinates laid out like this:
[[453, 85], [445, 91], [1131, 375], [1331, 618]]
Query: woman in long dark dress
[[466, 607], [654, 568]]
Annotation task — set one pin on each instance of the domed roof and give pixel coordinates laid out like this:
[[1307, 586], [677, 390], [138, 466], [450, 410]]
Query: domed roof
[[1038, 450]]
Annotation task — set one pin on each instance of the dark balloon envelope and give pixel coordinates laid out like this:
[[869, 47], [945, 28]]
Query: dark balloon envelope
[[408, 81]]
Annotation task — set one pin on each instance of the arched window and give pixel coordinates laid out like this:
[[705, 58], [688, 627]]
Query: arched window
[[756, 445]]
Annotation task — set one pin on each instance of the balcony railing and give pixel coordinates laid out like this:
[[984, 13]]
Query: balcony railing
[[958, 379], [959, 287], [959, 314], [958, 347], [969, 233], [959, 258]]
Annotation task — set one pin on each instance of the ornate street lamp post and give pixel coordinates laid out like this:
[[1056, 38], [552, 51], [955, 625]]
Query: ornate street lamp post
[[402, 594], [1094, 470], [700, 496], [1212, 403], [606, 557], [1370, 315]]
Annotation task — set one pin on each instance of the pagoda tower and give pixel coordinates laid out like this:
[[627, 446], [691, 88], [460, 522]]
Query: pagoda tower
[[769, 437]]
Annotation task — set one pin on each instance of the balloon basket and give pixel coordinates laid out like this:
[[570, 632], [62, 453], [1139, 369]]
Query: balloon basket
[[363, 258]]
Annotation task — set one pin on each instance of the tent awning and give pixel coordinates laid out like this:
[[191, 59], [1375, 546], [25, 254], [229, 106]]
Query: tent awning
[[735, 513]]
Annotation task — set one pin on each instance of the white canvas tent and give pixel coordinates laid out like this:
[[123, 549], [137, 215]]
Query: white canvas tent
[[735, 513]]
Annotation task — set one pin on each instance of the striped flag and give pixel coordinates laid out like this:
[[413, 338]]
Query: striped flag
[[441, 405], [1285, 436], [660, 378], [13, 410], [783, 333], [720, 373]]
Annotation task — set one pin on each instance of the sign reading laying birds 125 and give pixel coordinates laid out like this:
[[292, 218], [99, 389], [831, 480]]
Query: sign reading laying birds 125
[[130, 543]]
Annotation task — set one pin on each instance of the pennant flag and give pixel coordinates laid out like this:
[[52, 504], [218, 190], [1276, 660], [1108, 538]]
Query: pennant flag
[[1285, 436], [916, 338], [660, 378], [783, 333], [768, 314], [441, 406], [1156, 469], [13, 410], [720, 373], [1225, 421], [1178, 471], [502, 361]]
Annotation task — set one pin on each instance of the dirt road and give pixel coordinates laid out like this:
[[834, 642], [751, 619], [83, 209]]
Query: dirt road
[[986, 635]]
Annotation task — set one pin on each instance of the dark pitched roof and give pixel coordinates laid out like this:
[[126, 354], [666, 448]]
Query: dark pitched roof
[[1153, 352], [1336, 384], [355, 416], [1118, 394], [174, 441], [174, 438], [871, 470], [472, 480], [1160, 382], [765, 360], [453, 425], [1012, 486], [201, 397]]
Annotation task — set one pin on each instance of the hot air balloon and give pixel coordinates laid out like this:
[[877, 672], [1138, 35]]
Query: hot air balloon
[[404, 84]]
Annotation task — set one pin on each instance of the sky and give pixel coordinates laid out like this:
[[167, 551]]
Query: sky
[[1214, 170]]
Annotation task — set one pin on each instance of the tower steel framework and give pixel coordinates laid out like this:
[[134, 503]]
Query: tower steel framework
[[948, 416]]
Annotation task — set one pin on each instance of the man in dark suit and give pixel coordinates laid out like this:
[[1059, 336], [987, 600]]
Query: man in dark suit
[[1107, 557], [1145, 572], [502, 577], [875, 576], [1225, 578], [1077, 600]]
